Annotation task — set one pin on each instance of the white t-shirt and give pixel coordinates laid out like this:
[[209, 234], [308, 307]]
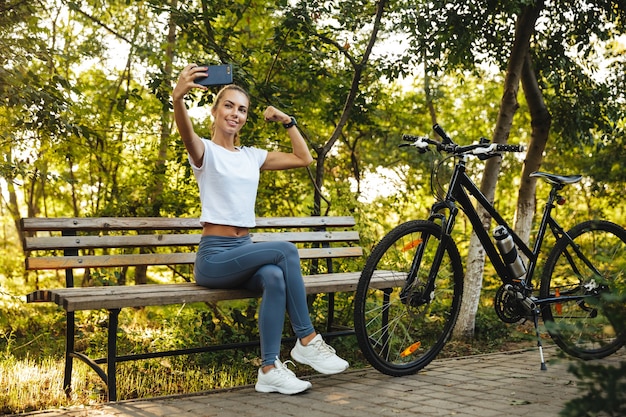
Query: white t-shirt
[[228, 183]]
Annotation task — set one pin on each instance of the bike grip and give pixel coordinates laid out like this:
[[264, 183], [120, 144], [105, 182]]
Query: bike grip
[[439, 130], [413, 138], [510, 148]]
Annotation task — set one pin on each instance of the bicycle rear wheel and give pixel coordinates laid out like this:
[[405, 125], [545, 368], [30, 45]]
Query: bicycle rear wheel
[[592, 271], [402, 323]]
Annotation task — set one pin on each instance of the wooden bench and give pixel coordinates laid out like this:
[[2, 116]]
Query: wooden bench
[[74, 244]]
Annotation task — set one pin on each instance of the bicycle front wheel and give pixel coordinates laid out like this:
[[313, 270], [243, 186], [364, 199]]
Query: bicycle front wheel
[[589, 274], [408, 298]]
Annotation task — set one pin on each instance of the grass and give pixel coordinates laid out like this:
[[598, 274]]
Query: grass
[[32, 349], [35, 383], [31, 384], [32, 352]]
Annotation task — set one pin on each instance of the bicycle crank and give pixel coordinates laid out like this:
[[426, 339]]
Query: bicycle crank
[[512, 305], [507, 306]]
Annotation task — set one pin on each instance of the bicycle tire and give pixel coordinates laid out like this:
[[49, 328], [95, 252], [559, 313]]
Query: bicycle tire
[[592, 328], [401, 335]]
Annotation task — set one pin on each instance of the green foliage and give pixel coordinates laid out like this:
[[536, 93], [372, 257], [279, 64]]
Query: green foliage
[[103, 157], [28, 330], [604, 390], [603, 386]]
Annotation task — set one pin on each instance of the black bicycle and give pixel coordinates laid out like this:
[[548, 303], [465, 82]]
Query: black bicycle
[[409, 293]]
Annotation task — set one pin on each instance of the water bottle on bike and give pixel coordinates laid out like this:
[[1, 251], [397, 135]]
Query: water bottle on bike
[[508, 251]]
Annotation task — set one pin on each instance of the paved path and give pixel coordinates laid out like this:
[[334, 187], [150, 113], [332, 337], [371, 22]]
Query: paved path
[[501, 384]]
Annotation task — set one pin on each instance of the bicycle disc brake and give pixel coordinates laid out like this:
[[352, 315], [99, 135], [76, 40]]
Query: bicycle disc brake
[[415, 295]]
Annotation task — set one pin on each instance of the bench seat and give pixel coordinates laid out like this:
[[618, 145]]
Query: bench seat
[[92, 298]]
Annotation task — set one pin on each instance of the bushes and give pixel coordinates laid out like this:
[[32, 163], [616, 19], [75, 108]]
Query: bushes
[[603, 387]]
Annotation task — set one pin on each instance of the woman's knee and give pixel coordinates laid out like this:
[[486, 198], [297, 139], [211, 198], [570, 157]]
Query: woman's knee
[[272, 278]]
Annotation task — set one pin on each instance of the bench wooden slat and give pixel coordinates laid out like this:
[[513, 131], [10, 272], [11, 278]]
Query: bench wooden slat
[[107, 223], [184, 239], [127, 241], [125, 299], [300, 237], [90, 298], [164, 223], [310, 221], [106, 261]]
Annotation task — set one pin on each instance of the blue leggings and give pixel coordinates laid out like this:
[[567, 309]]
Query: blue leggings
[[272, 268]]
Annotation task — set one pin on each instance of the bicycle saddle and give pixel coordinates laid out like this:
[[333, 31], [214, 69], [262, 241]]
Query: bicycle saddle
[[557, 179]]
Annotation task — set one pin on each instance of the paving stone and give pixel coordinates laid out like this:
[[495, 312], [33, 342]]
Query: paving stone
[[501, 384]]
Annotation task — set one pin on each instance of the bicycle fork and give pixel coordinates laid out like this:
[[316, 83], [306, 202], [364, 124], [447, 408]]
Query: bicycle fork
[[426, 294], [408, 294]]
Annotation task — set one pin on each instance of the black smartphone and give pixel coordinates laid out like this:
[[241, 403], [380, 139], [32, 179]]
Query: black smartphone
[[218, 75]]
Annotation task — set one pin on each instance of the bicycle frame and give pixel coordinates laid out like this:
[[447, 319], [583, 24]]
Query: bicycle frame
[[460, 188]]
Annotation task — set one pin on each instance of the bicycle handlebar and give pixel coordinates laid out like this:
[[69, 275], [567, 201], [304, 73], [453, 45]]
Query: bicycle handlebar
[[482, 149]]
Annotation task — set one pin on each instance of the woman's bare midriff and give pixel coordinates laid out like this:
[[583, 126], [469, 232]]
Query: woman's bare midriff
[[224, 230]]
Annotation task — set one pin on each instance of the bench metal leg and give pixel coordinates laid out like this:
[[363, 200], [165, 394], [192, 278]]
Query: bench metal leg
[[385, 322], [70, 354], [69, 350], [331, 312], [70, 324], [112, 354]]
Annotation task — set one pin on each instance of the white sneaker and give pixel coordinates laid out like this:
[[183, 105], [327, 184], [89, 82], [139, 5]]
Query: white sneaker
[[318, 355], [280, 379]]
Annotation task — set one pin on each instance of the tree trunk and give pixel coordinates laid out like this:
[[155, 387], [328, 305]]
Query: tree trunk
[[14, 208], [476, 256], [540, 121]]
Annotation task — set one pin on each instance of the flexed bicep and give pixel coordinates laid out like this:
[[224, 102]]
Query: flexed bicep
[[300, 155]]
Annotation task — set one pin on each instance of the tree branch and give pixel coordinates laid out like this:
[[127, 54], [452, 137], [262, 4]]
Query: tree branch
[[98, 22]]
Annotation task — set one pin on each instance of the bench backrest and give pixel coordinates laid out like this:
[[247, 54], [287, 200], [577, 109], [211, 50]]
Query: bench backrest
[[103, 242]]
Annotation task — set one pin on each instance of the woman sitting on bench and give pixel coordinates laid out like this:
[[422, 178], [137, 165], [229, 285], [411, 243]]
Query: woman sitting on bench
[[228, 179]]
